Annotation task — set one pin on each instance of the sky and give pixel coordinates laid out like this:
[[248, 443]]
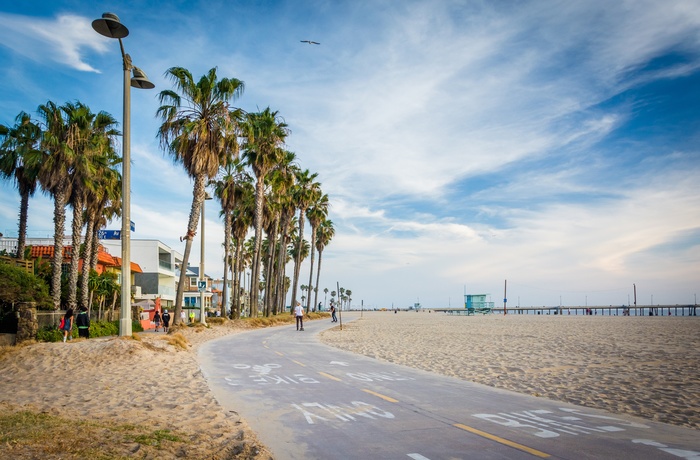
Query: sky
[[462, 143]]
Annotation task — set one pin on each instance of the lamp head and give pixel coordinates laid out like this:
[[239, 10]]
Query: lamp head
[[109, 26], [140, 80]]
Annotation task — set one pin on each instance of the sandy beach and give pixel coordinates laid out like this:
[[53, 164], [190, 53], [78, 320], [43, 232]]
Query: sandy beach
[[149, 382], [649, 367], [643, 366]]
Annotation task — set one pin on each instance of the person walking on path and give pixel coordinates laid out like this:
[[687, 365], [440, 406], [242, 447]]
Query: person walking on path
[[183, 317], [67, 325], [334, 319], [192, 317], [299, 313], [156, 319], [83, 323], [166, 320]]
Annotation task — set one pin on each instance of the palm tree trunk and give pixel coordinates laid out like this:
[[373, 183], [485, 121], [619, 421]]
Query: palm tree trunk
[[318, 276], [22, 234], [75, 253], [255, 275], [311, 268], [87, 256], [59, 225], [297, 259], [197, 200], [227, 255]]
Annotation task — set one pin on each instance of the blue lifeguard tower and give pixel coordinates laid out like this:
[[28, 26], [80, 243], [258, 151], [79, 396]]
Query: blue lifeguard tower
[[476, 303]]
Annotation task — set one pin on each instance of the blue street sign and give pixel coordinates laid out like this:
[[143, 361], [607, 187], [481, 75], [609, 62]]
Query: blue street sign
[[202, 285], [132, 225], [109, 234]]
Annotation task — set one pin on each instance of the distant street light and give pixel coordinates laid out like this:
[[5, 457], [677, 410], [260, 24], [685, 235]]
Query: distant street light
[[110, 27]]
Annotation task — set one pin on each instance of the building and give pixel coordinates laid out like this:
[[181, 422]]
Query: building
[[158, 264]]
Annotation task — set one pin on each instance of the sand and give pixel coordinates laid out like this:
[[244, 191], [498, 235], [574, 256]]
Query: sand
[[147, 382], [649, 367], [643, 366]]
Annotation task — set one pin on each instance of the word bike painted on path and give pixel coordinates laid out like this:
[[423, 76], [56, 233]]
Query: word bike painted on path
[[262, 375]]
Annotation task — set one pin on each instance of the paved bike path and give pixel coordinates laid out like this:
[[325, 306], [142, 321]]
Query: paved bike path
[[306, 400]]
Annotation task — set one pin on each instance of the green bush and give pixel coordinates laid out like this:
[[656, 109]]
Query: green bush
[[16, 285], [97, 329]]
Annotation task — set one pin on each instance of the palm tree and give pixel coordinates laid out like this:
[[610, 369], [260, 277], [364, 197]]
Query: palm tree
[[305, 193], [228, 191], [56, 164], [316, 213], [198, 131], [324, 234], [19, 145], [264, 133], [91, 137]]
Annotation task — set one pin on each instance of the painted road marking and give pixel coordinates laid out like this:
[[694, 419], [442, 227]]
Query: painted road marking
[[688, 454], [280, 354], [329, 376], [340, 363], [297, 362], [500, 440], [344, 413], [378, 395], [418, 457], [549, 424], [378, 376]]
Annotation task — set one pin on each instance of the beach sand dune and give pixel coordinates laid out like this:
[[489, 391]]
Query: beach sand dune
[[643, 366]]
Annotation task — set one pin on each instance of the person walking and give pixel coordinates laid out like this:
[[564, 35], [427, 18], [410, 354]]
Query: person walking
[[299, 313], [166, 320], [156, 319], [334, 319], [83, 323], [67, 325]]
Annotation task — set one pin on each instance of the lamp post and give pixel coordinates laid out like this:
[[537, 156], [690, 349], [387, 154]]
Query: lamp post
[[202, 316], [110, 27]]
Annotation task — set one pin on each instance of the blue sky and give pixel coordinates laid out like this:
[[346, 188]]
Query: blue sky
[[462, 143]]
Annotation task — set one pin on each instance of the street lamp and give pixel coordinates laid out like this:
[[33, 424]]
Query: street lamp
[[201, 267], [110, 27]]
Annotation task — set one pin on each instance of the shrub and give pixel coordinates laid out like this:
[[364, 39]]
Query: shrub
[[16, 285], [97, 329]]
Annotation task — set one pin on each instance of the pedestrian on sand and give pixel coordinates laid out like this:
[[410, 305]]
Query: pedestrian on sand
[[156, 319], [83, 323], [299, 313], [192, 317], [166, 320], [68, 324], [334, 319], [183, 317]]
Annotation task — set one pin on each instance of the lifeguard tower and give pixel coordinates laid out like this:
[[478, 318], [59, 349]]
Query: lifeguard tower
[[476, 303]]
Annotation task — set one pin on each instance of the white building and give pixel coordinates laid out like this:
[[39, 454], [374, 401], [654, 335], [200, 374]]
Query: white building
[[158, 262]]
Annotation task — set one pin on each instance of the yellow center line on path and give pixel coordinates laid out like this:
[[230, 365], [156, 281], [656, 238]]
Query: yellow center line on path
[[280, 354], [500, 440], [297, 362], [329, 376], [379, 395]]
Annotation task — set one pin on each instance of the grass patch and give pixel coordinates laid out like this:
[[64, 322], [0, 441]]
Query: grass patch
[[27, 434], [177, 340]]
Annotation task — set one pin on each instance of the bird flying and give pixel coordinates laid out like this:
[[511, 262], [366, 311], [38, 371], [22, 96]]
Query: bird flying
[[310, 42]]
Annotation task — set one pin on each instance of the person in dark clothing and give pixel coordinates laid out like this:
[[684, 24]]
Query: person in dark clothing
[[166, 320], [156, 319], [83, 323]]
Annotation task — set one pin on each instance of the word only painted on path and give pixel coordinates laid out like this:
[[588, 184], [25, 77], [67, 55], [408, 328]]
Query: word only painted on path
[[261, 374], [378, 376], [547, 424], [353, 412]]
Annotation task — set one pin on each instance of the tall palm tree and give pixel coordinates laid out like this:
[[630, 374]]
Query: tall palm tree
[[316, 213], [305, 193], [57, 159], [324, 234], [242, 220], [227, 190], [198, 131], [91, 140], [19, 145], [264, 134]]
